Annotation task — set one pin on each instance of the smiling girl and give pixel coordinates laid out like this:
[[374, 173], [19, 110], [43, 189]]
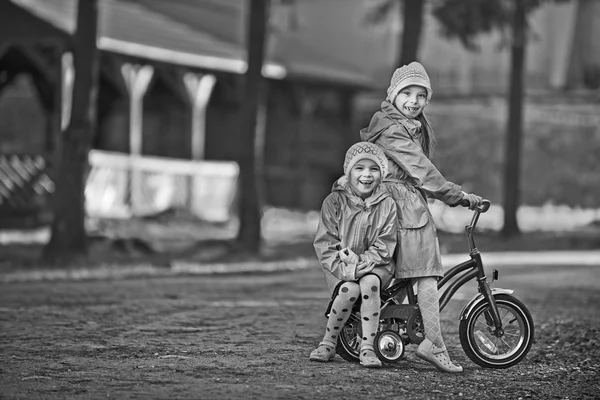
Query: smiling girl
[[403, 131], [355, 243]]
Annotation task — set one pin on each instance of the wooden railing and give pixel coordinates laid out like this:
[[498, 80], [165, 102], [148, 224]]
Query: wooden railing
[[121, 185]]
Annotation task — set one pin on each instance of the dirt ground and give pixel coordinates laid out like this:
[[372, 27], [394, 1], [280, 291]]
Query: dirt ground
[[248, 337]]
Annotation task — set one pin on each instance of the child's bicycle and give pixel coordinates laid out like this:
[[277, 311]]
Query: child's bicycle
[[496, 329]]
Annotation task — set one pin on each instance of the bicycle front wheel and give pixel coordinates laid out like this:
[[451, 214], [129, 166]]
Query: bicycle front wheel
[[488, 350]]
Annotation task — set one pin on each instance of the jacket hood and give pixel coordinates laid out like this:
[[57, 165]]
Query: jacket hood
[[343, 186], [379, 122]]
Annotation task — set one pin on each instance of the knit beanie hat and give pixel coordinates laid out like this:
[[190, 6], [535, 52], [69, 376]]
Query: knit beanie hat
[[360, 151], [411, 74]]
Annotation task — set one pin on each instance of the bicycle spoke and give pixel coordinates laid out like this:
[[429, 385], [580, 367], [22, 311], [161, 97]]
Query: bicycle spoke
[[497, 347], [512, 334], [482, 325], [507, 345], [354, 341]]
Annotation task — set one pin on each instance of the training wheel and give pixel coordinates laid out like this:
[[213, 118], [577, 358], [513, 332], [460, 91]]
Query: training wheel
[[389, 346]]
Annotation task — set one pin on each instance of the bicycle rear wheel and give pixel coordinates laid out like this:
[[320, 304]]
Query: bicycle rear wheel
[[348, 345], [491, 351]]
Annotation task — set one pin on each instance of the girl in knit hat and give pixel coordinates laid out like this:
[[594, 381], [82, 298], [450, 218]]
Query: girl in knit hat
[[355, 243], [402, 130]]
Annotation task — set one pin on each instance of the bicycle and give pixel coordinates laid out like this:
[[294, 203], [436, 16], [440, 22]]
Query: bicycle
[[496, 329]]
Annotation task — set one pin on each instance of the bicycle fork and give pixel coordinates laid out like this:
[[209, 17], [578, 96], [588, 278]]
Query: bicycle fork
[[492, 315]]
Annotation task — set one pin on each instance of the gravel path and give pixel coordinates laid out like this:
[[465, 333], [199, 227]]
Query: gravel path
[[247, 336]]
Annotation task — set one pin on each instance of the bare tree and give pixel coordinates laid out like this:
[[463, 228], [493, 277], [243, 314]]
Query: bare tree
[[466, 19], [68, 238], [411, 36], [412, 14], [514, 131], [249, 235]]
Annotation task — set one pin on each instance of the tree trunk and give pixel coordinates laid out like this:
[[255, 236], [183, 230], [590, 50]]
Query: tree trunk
[[68, 236], [512, 159], [413, 22], [249, 235]]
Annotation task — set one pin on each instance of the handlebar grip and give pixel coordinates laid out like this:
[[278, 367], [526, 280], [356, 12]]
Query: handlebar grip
[[483, 207]]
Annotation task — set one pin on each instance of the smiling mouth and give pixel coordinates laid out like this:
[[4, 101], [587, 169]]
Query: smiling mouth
[[411, 109], [366, 183]]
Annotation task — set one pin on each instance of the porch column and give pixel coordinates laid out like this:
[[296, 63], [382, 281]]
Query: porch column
[[199, 88], [137, 78], [68, 78], [60, 115]]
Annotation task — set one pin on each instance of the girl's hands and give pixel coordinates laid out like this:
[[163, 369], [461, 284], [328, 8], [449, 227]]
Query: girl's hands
[[348, 256], [363, 268], [471, 200]]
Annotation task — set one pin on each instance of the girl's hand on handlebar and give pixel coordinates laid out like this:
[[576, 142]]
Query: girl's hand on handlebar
[[471, 200]]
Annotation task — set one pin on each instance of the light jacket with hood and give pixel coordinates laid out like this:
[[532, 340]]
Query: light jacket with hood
[[368, 227], [411, 173], [400, 140]]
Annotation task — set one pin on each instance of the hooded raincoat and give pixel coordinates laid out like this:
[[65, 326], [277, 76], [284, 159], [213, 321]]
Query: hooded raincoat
[[368, 227], [411, 174]]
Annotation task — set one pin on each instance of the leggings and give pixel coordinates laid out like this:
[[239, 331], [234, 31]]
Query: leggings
[[368, 288]]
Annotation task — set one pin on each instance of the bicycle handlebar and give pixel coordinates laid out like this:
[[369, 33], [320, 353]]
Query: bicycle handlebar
[[483, 207]]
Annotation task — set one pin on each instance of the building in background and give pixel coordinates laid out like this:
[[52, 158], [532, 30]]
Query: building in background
[[170, 87], [171, 72]]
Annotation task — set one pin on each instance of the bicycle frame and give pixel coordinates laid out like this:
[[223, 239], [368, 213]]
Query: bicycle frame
[[480, 325], [462, 273], [458, 276]]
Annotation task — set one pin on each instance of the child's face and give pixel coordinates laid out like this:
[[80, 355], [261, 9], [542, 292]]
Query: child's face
[[411, 101], [365, 175]]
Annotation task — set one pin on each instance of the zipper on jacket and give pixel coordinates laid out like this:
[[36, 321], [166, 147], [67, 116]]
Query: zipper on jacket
[[361, 231]]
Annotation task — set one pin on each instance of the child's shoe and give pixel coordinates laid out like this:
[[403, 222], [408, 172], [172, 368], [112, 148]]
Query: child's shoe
[[438, 356], [368, 358], [323, 353]]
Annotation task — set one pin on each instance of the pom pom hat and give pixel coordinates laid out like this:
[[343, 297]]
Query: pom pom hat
[[407, 75], [360, 151]]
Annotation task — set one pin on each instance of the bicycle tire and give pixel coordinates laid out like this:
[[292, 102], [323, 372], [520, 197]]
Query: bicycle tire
[[489, 351], [348, 345]]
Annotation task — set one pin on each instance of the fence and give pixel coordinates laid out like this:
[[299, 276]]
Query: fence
[[121, 185], [25, 190]]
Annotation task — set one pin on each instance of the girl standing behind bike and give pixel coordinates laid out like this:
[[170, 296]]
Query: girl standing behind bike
[[355, 243], [403, 131]]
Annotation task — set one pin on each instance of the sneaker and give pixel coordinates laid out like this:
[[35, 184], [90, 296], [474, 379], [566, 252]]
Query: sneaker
[[438, 356]]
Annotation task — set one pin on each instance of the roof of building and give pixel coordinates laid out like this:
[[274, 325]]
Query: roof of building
[[16, 23], [204, 34]]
